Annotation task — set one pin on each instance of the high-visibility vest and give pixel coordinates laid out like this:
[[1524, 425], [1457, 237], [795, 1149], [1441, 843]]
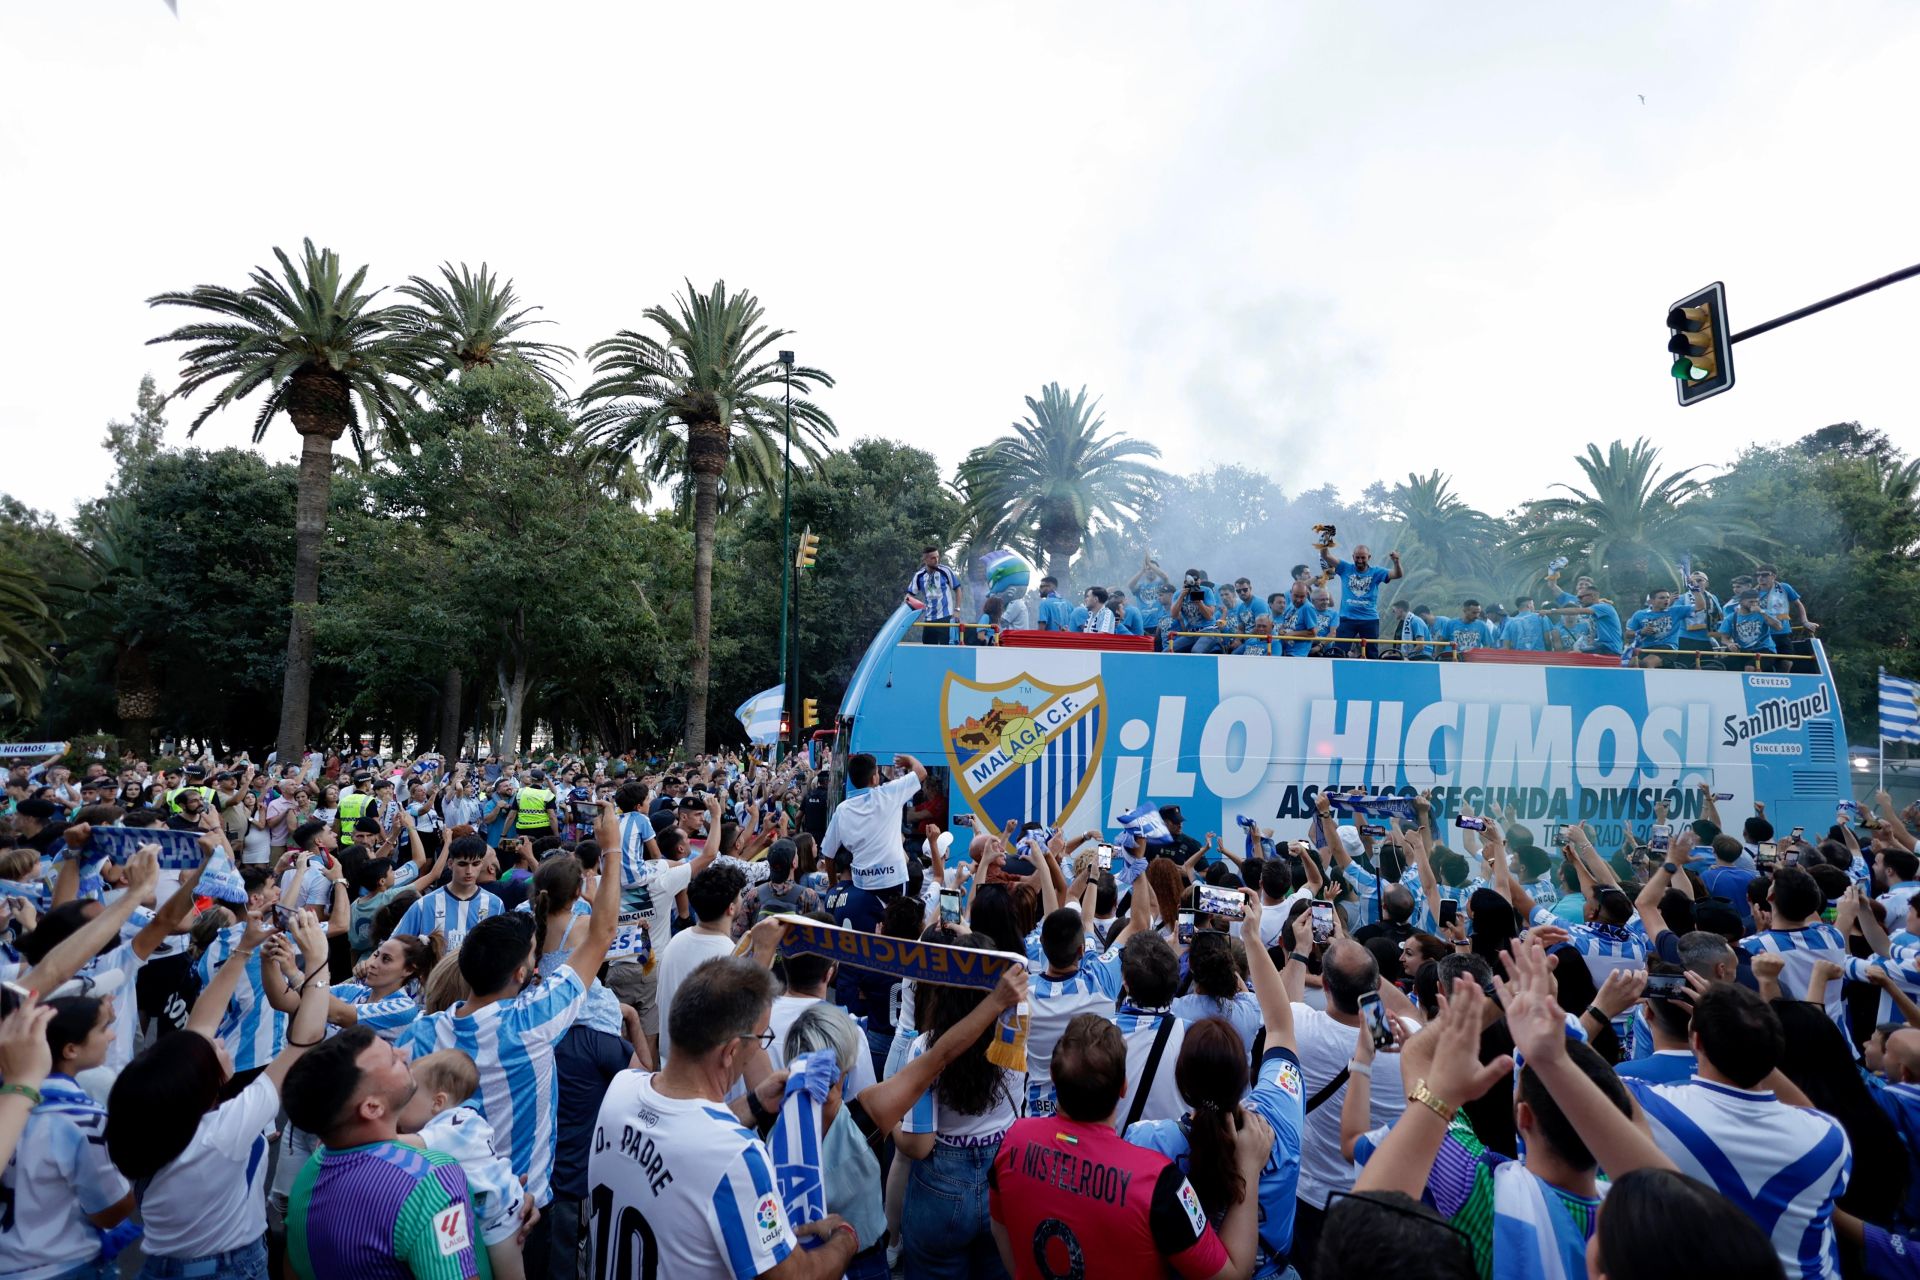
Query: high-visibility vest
[[530, 808], [353, 807], [173, 797]]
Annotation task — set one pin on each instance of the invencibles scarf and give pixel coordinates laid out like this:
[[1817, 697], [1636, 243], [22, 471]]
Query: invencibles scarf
[[795, 1140], [934, 962]]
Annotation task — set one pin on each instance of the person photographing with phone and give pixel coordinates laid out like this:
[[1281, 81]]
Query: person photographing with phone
[[1211, 1074]]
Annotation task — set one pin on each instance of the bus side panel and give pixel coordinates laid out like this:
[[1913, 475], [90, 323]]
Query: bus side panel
[[1260, 737]]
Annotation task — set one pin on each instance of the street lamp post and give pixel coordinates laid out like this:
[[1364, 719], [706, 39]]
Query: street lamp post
[[786, 544]]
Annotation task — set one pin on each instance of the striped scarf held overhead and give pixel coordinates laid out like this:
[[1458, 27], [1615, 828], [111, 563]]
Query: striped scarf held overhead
[[934, 962], [1534, 1237], [795, 1140]]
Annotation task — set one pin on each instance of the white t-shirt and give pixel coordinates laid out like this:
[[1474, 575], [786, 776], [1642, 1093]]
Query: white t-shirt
[[651, 895], [787, 1010], [688, 950], [683, 1177], [868, 825], [1326, 1047], [209, 1200], [59, 1173], [1007, 1103]]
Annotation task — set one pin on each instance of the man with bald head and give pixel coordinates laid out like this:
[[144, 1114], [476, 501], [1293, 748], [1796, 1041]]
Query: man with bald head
[[1360, 583]]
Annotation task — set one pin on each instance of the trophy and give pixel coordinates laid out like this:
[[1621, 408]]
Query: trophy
[[1324, 544]]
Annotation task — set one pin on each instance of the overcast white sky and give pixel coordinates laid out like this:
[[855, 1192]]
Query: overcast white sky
[[1336, 241]]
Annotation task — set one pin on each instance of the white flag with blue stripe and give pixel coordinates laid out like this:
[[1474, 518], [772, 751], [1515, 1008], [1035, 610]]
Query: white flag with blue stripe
[[1899, 708], [760, 714]]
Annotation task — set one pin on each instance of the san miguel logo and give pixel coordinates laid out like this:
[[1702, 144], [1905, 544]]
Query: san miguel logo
[[1022, 748], [1776, 713]]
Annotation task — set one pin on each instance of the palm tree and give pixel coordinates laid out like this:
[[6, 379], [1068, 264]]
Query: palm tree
[[26, 626], [684, 396], [1451, 538], [1630, 520], [1057, 477], [313, 338], [468, 319]]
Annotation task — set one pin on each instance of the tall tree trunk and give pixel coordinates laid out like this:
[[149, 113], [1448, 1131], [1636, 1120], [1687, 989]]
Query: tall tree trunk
[[450, 698], [707, 457], [309, 527], [1059, 555]]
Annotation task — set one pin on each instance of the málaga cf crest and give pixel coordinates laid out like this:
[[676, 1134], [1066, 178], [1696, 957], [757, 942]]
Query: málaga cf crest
[[1022, 748]]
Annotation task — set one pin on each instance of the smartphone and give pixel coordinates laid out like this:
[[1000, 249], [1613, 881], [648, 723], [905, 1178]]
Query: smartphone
[[1723, 795], [1378, 833], [1793, 857], [1449, 912], [12, 996], [280, 917], [949, 906], [1373, 1016], [1849, 806], [963, 820], [1186, 926], [1216, 901], [1767, 851], [1661, 838], [1470, 824], [1796, 833], [1105, 856], [1665, 986], [1322, 912]]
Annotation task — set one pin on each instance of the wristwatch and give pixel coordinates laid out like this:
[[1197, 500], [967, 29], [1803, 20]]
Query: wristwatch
[[1433, 1102], [1671, 868]]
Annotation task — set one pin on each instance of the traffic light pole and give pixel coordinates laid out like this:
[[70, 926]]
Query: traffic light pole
[[786, 548], [1838, 298]]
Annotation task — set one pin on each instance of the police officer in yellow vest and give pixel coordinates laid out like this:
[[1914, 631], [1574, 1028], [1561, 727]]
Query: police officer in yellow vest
[[534, 808], [195, 776], [355, 805]]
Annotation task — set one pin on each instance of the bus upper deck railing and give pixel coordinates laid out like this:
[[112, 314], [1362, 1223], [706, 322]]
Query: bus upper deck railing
[[1401, 650]]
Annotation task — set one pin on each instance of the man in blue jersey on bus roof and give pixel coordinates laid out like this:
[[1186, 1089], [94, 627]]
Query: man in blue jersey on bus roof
[[1295, 616], [1526, 630], [1054, 613], [1407, 629], [1472, 631], [1128, 620], [1750, 628], [1360, 583], [1658, 626], [1601, 632]]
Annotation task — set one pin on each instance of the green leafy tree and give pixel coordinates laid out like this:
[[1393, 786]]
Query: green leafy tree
[[312, 338], [1838, 511], [873, 506], [704, 383], [140, 437], [1056, 478]]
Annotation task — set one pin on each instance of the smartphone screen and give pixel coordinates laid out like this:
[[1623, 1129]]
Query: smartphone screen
[[1186, 926], [950, 906], [1449, 912], [1796, 833], [280, 917], [1216, 901], [1374, 1017], [1106, 857], [1661, 838], [1322, 912], [1665, 986]]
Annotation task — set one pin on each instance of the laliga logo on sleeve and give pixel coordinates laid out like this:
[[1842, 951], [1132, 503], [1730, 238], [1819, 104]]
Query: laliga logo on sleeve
[[769, 1219], [450, 1230]]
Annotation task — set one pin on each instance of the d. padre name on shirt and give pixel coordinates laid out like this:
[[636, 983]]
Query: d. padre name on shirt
[[639, 1147], [1093, 1179]]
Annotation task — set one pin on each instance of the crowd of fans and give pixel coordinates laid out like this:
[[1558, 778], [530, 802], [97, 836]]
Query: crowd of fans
[[1336, 612], [533, 1018]]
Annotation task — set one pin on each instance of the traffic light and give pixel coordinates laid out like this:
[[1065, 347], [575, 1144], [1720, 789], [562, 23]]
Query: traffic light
[[1702, 355], [809, 550], [809, 713]]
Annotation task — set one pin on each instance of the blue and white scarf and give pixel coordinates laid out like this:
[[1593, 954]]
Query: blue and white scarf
[[1534, 1237], [795, 1141]]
